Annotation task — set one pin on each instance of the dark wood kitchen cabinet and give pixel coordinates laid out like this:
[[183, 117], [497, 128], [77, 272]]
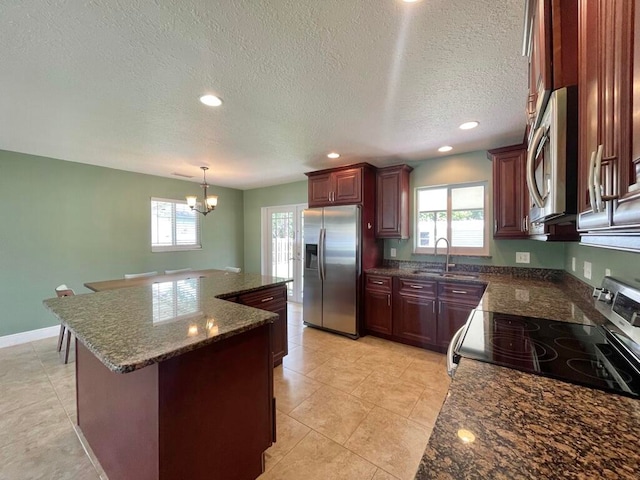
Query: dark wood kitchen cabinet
[[552, 45], [455, 302], [415, 318], [273, 300], [377, 304], [347, 185], [392, 202], [551, 33], [510, 194], [609, 143]]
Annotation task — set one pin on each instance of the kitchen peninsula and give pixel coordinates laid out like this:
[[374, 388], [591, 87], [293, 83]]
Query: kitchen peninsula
[[172, 380]]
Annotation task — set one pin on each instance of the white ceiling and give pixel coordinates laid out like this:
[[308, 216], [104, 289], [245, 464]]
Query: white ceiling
[[116, 82]]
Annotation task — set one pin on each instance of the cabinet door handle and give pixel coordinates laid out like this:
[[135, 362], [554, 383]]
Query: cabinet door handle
[[416, 286], [268, 299], [597, 179], [377, 282], [388, 300], [459, 291], [439, 307], [433, 306]]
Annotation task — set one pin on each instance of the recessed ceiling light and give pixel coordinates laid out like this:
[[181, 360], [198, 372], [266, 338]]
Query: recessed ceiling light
[[469, 125], [445, 148], [333, 155], [410, 1], [211, 100]]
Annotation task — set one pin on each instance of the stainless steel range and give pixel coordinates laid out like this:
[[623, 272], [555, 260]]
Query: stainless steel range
[[604, 357]]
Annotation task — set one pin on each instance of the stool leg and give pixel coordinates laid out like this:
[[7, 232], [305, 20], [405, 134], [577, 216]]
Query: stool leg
[[61, 336], [66, 353]]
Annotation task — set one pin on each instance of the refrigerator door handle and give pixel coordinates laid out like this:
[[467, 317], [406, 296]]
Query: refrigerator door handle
[[321, 251]]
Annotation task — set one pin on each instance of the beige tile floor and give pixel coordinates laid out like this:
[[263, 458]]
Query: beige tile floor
[[345, 410]]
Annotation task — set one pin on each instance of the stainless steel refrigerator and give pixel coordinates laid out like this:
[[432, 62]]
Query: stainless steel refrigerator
[[332, 268]]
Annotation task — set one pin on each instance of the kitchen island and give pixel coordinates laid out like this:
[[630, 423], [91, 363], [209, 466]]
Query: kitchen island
[[173, 382]]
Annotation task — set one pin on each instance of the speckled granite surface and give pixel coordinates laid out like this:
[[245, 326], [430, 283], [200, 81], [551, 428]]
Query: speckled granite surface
[[130, 328], [519, 295], [531, 427]]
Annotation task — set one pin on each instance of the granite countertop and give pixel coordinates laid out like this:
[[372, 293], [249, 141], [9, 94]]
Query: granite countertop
[[531, 427], [517, 295], [527, 426], [130, 328]]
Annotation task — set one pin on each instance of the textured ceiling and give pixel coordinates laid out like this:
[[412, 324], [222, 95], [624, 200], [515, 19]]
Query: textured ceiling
[[116, 82]]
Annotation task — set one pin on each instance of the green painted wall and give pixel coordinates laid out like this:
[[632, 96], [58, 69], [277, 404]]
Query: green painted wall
[[624, 265], [65, 222], [254, 200], [472, 167]]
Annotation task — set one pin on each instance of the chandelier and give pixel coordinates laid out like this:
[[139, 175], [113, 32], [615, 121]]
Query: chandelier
[[210, 201]]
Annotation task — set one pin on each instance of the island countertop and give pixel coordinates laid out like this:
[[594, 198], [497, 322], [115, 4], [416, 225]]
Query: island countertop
[[130, 328]]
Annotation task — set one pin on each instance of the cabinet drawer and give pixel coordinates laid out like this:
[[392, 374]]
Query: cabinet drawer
[[417, 287], [461, 292], [264, 299], [378, 282]]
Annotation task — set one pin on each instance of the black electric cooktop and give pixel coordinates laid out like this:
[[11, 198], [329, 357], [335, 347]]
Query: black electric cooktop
[[582, 354]]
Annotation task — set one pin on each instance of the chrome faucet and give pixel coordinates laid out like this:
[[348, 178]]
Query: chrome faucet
[[446, 265]]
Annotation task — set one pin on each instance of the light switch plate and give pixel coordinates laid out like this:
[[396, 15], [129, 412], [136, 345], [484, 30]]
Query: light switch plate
[[394, 252], [587, 270], [573, 264], [523, 257], [607, 272]]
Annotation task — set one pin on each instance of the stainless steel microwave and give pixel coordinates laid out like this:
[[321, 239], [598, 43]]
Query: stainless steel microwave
[[552, 160]]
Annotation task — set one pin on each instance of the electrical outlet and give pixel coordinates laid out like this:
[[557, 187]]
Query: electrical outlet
[[522, 295], [522, 257], [573, 264], [587, 270], [394, 252], [607, 272]]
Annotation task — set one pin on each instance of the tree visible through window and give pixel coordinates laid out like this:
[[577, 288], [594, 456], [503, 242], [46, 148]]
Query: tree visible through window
[[455, 212], [174, 226]]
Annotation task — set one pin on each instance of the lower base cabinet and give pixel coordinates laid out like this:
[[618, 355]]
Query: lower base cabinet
[[419, 312], [273, 300], [415, 318]]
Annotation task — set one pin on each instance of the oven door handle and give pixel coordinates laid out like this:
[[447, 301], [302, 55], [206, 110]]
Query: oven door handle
[[451, 364], [538, 137]]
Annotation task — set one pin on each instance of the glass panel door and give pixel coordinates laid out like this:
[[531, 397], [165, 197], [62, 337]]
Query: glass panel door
[[282, 246]]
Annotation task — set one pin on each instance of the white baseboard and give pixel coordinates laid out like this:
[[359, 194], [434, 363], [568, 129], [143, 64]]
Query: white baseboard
[[30, 336]]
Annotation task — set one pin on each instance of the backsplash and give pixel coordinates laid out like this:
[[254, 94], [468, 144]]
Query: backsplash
[[533, 273]]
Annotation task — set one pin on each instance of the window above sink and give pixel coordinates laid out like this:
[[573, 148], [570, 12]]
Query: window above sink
[[458, 213]]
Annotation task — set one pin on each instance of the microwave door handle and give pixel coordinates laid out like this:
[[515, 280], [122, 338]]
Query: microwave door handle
[[538, 136], [597, 178], [591, 182]]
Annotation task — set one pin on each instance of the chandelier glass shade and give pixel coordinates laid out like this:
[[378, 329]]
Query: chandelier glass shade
[[210, 201]]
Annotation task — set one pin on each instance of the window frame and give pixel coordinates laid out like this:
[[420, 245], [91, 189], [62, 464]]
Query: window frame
[[458, 251], [174, 247]]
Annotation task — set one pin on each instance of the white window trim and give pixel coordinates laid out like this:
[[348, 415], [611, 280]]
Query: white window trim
[[176, 248], [442, 247]]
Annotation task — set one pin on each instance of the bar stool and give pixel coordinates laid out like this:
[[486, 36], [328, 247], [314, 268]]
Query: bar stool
[[64, 291]]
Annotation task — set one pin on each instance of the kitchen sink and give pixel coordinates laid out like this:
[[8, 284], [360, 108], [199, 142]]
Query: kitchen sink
[[440, 273], [461, 276]]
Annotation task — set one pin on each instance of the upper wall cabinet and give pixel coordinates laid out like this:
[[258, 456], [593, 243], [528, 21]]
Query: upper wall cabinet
[[392, 202], [551, 45], [609, 135], [341, 186], [510, 198], [511, 201]]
